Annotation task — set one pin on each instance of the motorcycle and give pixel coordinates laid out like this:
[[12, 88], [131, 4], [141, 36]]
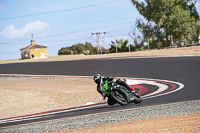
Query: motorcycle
[[119, 94]]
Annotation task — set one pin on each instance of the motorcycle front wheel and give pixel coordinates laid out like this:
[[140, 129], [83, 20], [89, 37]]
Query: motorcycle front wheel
[[119, 97], [111, 101]]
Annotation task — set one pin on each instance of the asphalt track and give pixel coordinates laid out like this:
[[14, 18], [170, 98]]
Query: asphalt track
[[185, 70]]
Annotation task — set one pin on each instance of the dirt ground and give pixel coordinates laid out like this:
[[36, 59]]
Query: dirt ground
[[182, 51], [176, 124], [22, 96]]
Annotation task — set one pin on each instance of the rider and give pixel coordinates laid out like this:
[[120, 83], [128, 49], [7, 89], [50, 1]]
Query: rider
[[103, 82]]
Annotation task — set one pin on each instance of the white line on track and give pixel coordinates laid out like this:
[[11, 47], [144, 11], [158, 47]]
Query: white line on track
[[130, 80], [181, 86], [44, 115], [161, 87]]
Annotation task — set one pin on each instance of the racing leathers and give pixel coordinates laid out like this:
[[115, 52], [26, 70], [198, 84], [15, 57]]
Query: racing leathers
[[107, 84]]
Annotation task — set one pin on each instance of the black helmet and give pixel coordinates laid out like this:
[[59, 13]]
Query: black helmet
[[97, 79]]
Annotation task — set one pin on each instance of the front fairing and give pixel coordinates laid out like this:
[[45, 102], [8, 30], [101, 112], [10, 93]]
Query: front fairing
[[122, 89]]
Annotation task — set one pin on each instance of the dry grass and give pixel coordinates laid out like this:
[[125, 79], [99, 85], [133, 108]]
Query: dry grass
[[23, 96], [176, 124], [193, 50]]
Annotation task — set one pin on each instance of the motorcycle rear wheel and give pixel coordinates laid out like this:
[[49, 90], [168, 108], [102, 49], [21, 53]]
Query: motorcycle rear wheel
[[137, 98]]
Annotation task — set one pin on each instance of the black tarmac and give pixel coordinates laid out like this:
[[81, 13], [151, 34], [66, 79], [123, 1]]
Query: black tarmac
[[185, 70]]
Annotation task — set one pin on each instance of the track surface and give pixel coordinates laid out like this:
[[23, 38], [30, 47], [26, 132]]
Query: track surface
[[185, 70]]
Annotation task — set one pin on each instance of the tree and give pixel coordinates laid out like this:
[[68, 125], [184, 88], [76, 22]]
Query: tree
[[138, 39], [175, 18], [122, 46], [193, 11], [79, 48], [64, 51], [198, 27]]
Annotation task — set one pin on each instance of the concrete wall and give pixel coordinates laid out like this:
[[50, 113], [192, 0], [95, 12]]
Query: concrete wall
[[38, 53]]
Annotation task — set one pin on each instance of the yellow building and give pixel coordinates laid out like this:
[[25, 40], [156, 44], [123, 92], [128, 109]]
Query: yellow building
[[34, 51]]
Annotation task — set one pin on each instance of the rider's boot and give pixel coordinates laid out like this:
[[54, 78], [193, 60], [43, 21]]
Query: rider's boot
[[132, 90], [104, 94], [128, 87]]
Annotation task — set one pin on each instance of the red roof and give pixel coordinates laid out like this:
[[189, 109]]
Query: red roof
[[33, 47]]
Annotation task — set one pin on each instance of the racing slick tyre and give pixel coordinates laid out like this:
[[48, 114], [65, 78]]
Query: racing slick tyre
[[137, 98], [111, 101]]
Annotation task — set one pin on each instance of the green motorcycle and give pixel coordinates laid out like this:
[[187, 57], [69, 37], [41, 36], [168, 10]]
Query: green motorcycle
[[119, 94]]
